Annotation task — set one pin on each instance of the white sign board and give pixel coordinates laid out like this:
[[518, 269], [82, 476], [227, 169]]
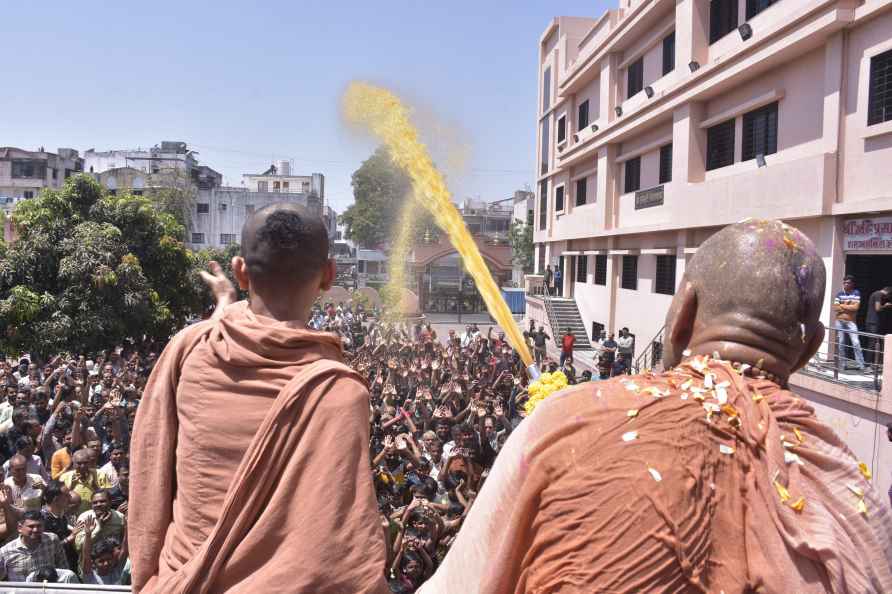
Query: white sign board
[[867, 234]]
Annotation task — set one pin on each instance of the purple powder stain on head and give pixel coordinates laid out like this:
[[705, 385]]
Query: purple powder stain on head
[[770, 244]]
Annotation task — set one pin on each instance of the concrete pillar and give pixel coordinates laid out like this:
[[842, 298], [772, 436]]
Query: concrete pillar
[[606, 182], [691, 32], [608, 87], [688, 143]]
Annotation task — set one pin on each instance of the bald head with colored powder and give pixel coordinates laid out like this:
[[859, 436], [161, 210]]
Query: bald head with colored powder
[[752, 293]]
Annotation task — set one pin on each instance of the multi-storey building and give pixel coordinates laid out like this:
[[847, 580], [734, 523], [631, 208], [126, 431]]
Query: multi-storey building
[[664, 120], [278, 178], [23, 174]]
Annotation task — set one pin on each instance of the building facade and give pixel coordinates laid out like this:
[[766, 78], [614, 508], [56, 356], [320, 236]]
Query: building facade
[[278, 178], [524, 203], [23, 174], [663, 120]]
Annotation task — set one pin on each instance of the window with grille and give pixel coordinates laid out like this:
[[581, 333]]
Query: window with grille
[[227, 238], [546, 89], [759, 132], [601, 270], [559, 199], [669, 53], [666, 164], [635, 77], [581, 269], [581, 189], [720, 145], [543, 204], [562, 129], [545, 144], [665, 281], [633, 175], [203, 208], [198, 238], [722, 18], [582, 119], [879, 97], [754, 7], [630, 273]]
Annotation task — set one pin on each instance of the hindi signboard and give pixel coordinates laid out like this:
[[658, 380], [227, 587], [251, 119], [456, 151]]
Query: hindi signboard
[[867, 234], [649, 198]]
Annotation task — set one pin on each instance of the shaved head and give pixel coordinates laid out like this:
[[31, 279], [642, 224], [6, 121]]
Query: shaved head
[[284, 244], [752, 292]]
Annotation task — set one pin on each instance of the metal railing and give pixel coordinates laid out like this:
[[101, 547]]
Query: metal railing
[[652, 355], [849, 357]]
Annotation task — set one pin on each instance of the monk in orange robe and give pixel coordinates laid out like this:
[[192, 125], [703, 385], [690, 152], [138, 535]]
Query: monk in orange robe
[[249, 457], [709, 477]]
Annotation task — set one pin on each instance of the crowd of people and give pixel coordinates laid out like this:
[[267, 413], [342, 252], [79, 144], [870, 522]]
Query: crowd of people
[[441, 408]]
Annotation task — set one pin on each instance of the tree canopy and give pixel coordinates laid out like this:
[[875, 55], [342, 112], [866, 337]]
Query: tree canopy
[[89, 270], [380, 189]]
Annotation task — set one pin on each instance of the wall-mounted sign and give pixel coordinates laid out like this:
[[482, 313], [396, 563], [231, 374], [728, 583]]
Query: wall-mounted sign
[[649, 198], [867, 234]]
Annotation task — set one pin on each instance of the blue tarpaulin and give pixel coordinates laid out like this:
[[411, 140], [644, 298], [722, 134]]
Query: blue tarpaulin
[[516, 299]]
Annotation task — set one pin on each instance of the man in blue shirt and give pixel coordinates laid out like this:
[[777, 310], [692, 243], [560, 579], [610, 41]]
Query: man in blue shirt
[[845, 306]]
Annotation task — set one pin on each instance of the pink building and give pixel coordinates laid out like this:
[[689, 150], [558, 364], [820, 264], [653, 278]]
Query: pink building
[[663, 120]]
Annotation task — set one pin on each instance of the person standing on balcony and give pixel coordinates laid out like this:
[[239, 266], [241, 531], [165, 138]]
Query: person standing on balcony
[[845, 306], [567, 342], [245, 420], [547, 279], [708, 477], [625, 345], [879, 321]]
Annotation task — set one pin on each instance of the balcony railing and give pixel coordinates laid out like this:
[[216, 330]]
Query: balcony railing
[[837, 359]]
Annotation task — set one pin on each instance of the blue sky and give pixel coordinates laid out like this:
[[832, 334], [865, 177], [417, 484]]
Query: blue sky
[[246, 82]]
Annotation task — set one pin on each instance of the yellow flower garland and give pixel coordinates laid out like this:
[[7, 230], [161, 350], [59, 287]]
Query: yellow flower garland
[[539, 390]]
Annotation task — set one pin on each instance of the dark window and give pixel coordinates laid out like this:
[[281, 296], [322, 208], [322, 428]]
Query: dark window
[[113, 192], [879, 101], [666, 164], [562, 129], [581, 269], [540, 257], [198, 238], [720, 145], [530, 215], [559, 199], [545, 144], [137, 192], [600, 270], [222, 207], [546, 89], [68, 173], [633, 175], [543, 204], [29, 168], [203, 208], [754, 7], [665, 282], [29, 194], [722, 18], [759, 132], [630, 273], [55, 173], [227, 238], [581, 189], [635, 77], [669, 53], [582, 120]]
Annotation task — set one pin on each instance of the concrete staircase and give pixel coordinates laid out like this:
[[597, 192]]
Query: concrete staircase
[[563, 313]]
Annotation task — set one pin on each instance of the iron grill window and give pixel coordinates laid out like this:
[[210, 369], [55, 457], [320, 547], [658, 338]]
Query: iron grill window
[[559, 199], [630, 273], [601, 270], [203, 207], [227, 238], [545, 144], [720, 145], [546, 89], [669, 53], [198, 238], [754, 7], [759, 132], [665, 282], [562, 129], [581, 269], [722, 18], [879, 101], [633, 175], [581, 189], [543, 204], [582, 120], [666, 164], [635, 77]]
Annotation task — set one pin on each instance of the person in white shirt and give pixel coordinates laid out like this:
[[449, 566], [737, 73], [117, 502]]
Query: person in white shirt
[[625, 344]]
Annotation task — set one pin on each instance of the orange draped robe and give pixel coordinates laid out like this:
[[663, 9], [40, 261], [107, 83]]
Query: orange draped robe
[[654, 484], [250, 465]]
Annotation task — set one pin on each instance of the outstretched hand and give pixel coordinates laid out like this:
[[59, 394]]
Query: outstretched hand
[[219, 284]]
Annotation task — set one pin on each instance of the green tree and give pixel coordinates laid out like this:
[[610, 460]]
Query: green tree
[[89, 269], [380, 189], [520, 236]]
